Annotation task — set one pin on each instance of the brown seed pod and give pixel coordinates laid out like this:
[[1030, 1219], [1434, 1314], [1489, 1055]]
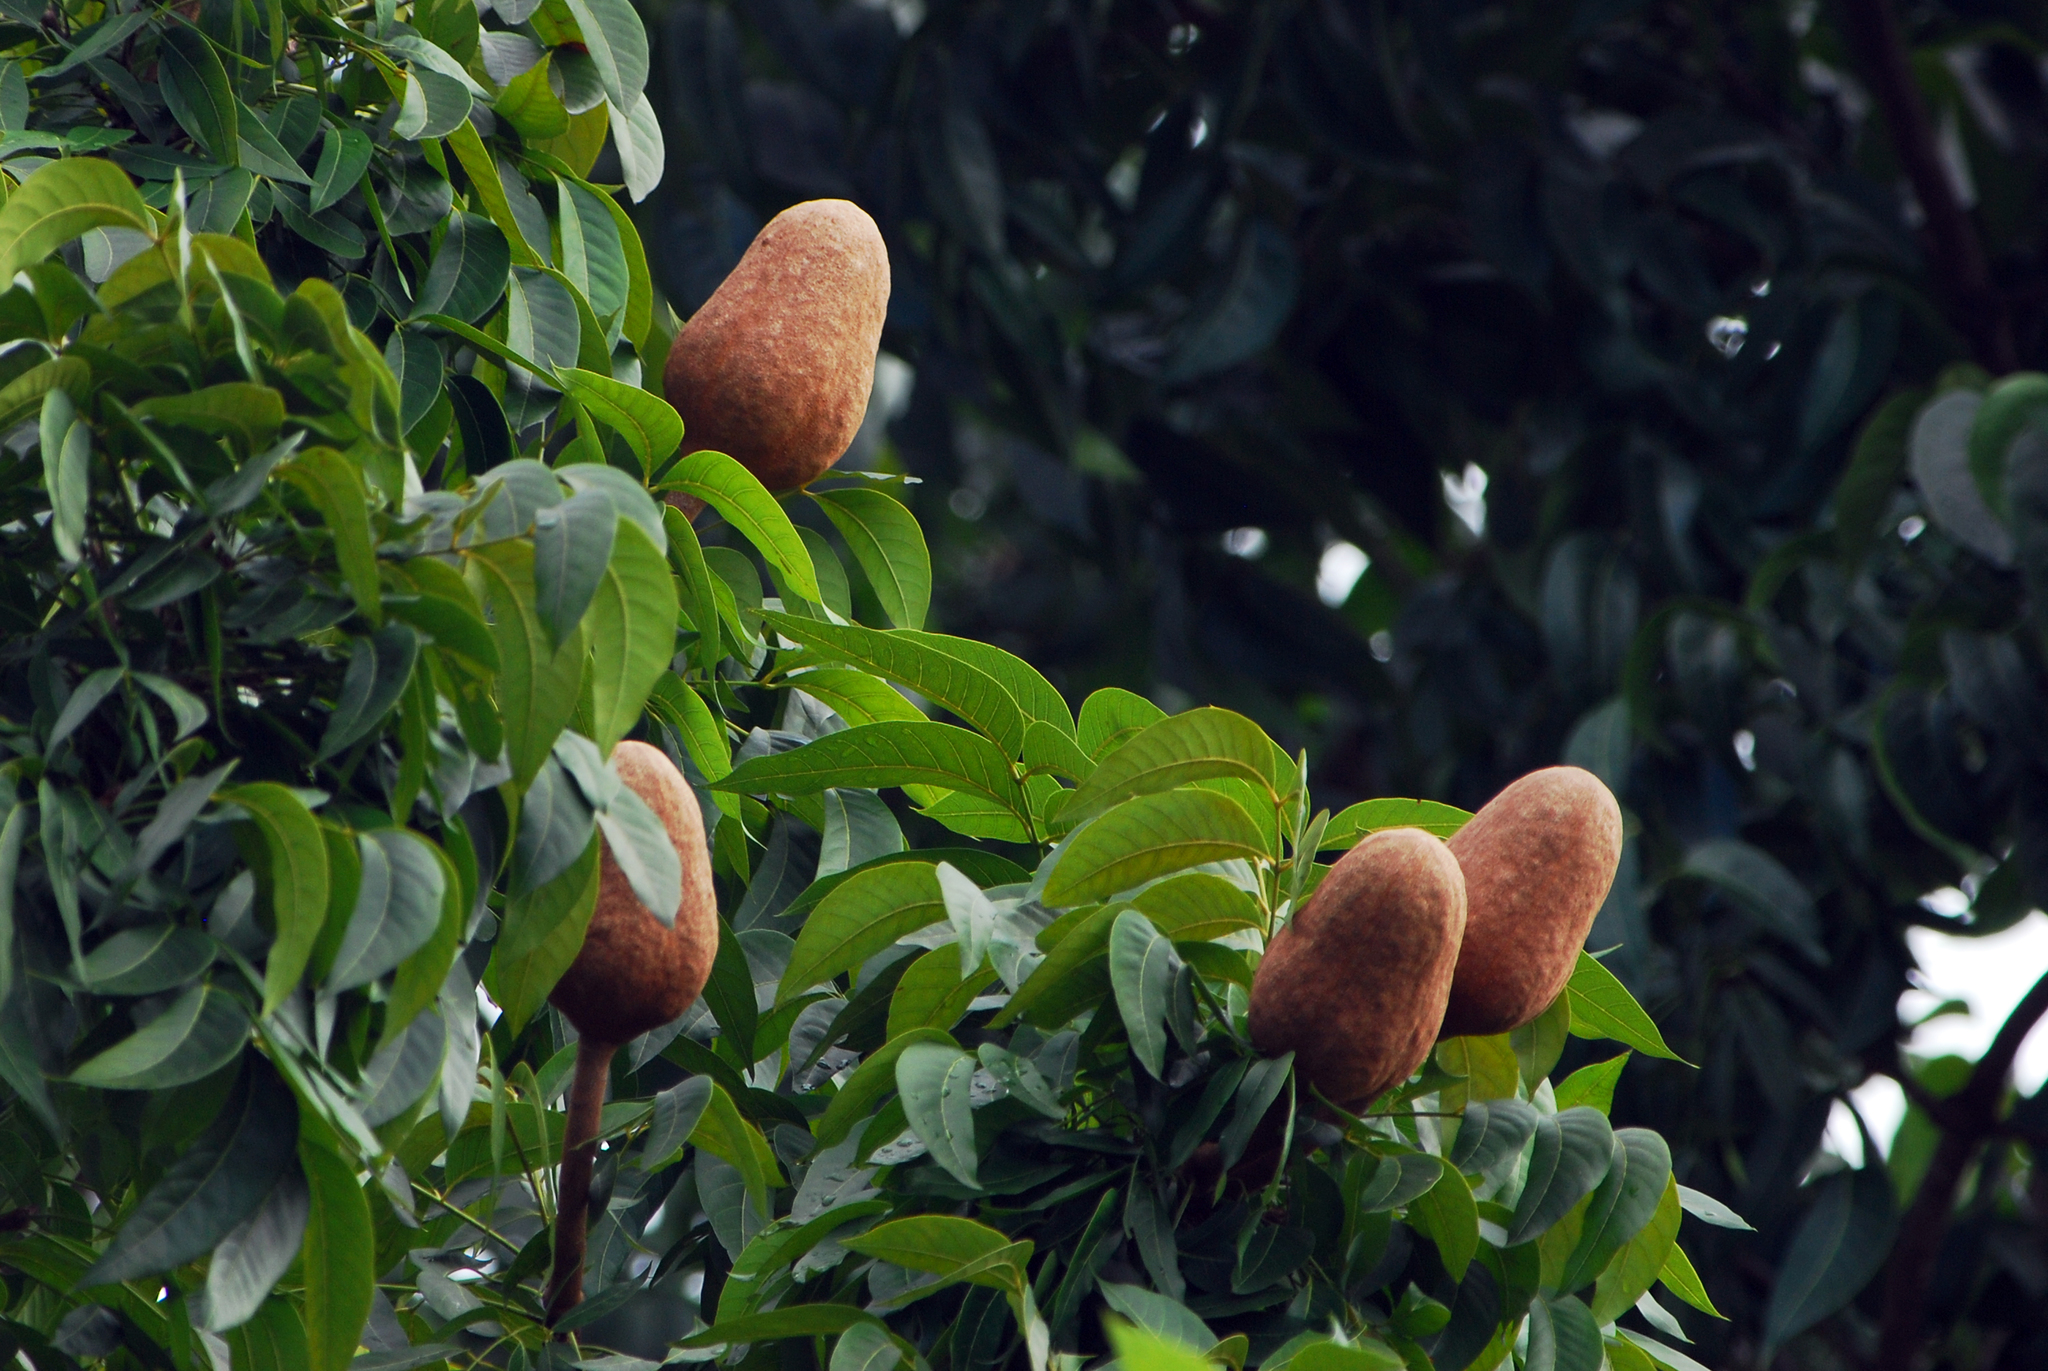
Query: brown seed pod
[[775, 369], [1355, 985], [631, 976], [1538, 860]]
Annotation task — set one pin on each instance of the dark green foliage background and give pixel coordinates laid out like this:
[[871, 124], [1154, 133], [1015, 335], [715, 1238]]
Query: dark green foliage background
[[1490, 234]]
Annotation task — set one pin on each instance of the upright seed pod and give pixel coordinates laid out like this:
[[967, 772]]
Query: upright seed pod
[[776, 368], [1355, 985], [632, 975], [1538, 861]]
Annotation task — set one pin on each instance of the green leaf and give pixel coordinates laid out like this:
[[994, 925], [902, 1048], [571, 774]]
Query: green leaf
[[855, 696], [725, 1133], [1603, 1008], [874, 1078], [1449, 1215], [1761, 884], [1197, 745], [942, 1245], [397, 909], [1111, 717], [542, 933], [1074, 972], [967, 691], [1707, 1209], [146, 961], [1627, 1199], [631, 624], [379, 667], [648, 423], [1142, 1349], [2011, 406], [701, 731], [293, 874], [617, 44], [202, 1031], [446, 611], [255, 1254], [538, 684], [1839, 1245], [61, 200], [258, 150], [1681, 1280], [1048, 750], [274, 1340], [794, 1321], [482, 170], [1593, 1085], [344, 157], [572, 548], [936, 1084], [1637, 1265], [530, 105], [67, 471], [1354, 823], [933, 994], [889, 545], [335, 488], [1142, 967], [195, 86], [469, 271], [340, 1259], [1573, 1152], [1197, 907], [745, 503], [864, 914], [1563, 1336], [1033, 693], [884, 754], [1147, 837], [218, 1182]]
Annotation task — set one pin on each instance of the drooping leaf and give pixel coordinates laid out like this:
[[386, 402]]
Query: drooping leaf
[[1840, 1244], [936, 1084], [200, 1032], [1573, 1152], [632, 628], [218, 1182], [736, 494], [339, 1255], [1603, 1008], [293, 876], [1142, 967], [889, 545], [256, 1253], [398, 907]]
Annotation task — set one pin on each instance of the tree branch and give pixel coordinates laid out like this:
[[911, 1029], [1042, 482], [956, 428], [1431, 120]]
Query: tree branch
[[1885, 64], [1970, 1117]]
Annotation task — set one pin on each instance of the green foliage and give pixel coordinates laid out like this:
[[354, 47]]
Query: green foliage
[[413, 686], [1747, 551]]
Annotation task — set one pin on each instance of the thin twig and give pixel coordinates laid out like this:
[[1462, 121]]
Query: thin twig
[[1972, 1118], [1873, 31]]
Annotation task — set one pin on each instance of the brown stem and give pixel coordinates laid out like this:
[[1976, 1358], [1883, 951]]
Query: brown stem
[[1972, 1117], [572, 1190], [1873, 30]]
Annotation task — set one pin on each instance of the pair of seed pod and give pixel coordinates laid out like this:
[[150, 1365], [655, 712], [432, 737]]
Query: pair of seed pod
[[1410, 939]]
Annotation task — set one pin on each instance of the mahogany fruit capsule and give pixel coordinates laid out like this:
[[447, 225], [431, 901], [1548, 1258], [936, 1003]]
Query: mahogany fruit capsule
[[1538, 861], [1355, 984]]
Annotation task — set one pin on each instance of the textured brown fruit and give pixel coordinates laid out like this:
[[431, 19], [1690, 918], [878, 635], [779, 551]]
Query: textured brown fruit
[[775, 369], [1538, 860], [1355, 984], [634, 975]]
